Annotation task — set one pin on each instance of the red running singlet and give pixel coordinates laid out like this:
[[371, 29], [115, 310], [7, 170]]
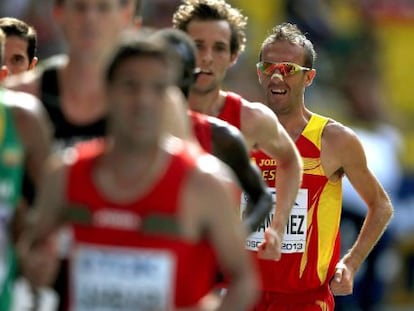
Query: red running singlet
[[126, 256], [202, 130], [231, 110], [310, 249]]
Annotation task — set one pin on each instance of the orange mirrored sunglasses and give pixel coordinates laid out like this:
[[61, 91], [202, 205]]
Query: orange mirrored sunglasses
[[285, 68]]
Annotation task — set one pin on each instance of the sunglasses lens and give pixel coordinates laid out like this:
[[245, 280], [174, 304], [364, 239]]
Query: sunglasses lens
[[265, 68], [287, 69]]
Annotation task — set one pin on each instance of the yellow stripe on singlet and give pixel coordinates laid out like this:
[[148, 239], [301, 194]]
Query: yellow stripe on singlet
[[313, 132], [323, 305], [314, 128], [327, 203]]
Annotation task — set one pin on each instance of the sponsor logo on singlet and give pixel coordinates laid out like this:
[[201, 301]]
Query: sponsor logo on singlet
[[12, 157], [114, 218], [121, 279], [294, 239]]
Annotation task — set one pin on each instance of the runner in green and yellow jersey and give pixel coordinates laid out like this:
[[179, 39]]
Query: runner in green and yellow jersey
[[24, 145]]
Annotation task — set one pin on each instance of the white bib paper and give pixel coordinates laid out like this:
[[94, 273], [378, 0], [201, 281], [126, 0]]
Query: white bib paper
[[121, 279], [294, 240]]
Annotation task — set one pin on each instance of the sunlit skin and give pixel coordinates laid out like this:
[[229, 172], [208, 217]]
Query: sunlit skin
[[285, 95], [212, 39], [15, 55]]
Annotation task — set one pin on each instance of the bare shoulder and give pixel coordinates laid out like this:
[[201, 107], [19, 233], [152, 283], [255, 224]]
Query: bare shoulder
[[259, 124], [336, 134], [25, 107], [211, 181], [341, 148], [208, 171], [174, 94], [208, 197], [211, 171], [257, 109]]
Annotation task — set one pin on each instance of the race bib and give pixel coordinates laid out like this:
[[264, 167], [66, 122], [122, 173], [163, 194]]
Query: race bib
[[294, 240], [119, 279]]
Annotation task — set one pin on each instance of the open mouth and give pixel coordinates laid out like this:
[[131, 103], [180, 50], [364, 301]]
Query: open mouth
[[278, 91], [198, 73], [205, 72]]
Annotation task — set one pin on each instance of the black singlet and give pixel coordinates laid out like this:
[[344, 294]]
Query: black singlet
[[64, 131]]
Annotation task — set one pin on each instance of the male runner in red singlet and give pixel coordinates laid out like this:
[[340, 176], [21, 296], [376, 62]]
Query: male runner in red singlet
[[147, 213], [217, 136], [70, 85], [219, 33], [310, 269]]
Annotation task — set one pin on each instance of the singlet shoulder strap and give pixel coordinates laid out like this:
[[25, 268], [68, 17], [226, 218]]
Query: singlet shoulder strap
[[50, 86], [231, 110], [314, 128]]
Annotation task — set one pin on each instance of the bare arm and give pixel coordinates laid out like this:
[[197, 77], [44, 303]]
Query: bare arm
[[380, 210], [229, 146], [212, 193], [36, 247], [35, 131], [269, 136]]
